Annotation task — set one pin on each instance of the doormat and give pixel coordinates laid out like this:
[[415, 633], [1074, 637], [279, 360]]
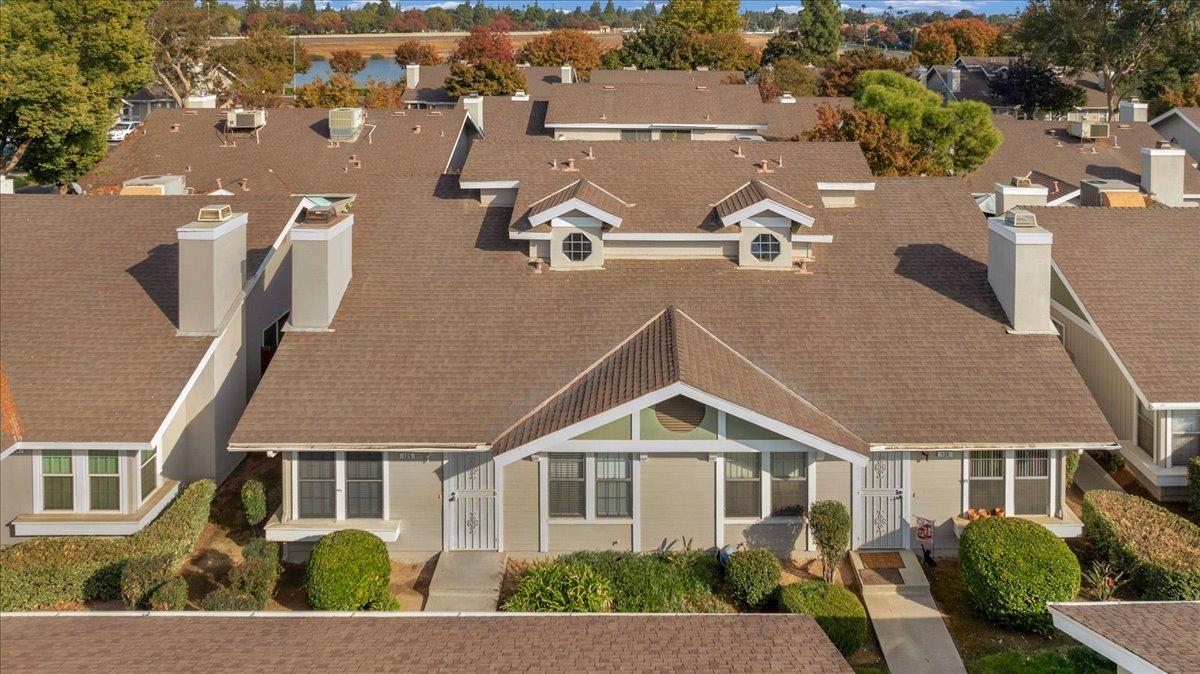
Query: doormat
[[881, 560], [883, 576]]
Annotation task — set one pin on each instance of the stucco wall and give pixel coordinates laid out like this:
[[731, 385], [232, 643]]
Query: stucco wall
[[598, 536], [1178, 132], [521, 506]]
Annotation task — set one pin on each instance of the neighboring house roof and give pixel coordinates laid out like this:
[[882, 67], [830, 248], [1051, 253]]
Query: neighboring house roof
[[681, 77], [672, 348], [431, 85], [987, 62], [447, 336], [292, 156], [1189, 115], [1139, 636], [89, 287], [973, 85], [657, 104], [1137, 274], [151, 92], [539, 644], [1047, 148], [1092, 91], [785, 121], [701, 173]]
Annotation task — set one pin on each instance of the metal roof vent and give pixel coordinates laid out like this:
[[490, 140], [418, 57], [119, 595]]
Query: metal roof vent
[[1022, 181], [1162, 145], [1019, 217], [215, 213]]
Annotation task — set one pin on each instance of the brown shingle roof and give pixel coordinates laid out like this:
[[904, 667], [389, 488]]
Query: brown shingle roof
[[89, 290], [673, 348], [788, 120], [709, 78], [751, 193], [662, 104], [419, 643], [1162, 633], [445, 335], [586, 191], [431, 85], [673, 184], [1137, 272]]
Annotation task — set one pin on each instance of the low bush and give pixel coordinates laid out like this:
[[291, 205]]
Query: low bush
[[657, 582], [1072, 467], [1153, 545], [52, 571], [561, 587], [387, 602], [1193, 471], [225, 599], [141, 576], [837, 610], [831, 534], [170, 596], [1011, 567], [255, 577], [260, 547], [254, 502], [752, 577], [347, 570]]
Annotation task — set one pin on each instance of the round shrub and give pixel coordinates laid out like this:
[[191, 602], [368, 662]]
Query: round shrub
[[255, 577], [347, 570], [254, 502], [1011, 567], [225, 599], [561, 587], [837, 610], [752, 577], [170, 596], [260, 547], [141, 576]]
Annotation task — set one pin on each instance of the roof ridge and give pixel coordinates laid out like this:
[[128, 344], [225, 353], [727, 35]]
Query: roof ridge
[[593, 184], [557, 191]]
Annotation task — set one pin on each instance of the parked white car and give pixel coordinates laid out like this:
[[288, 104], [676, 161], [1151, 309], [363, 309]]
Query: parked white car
[[121, 130]]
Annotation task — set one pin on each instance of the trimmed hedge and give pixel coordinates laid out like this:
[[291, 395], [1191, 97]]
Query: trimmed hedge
[[752, 577], [226, 599], [256, 577], [52, 571], [1011, 567], [836, 609], [657, 582], [347, 571], [1193, 471], [1072, 467], [170, 596], [260, 547], [141, 576], [1156, 547], [254, 502], [561, 587]]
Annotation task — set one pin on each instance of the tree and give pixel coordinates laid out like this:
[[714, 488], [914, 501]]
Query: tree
[[308, 8], [703, 16], [1187, 95], [562, 47], [181, 33], [815, 38], [959, 136], [483, 43], [346, 62], [667, 46], [933, 49], [339, 92], [718, 51], [1116, 38], [970, 37], [841, 76], [264, 63], [787, 76], [1032, 87], [887, 152], [487, 77], [381, 94], [412, 52]]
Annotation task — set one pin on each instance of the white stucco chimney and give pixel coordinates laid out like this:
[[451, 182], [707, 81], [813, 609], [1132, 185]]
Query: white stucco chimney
[[1132, 111], [412, 75], [212, 268], [1162, 173], [1019, 270], [474, 106], [322, 247], [567, 75], [1019, 192]]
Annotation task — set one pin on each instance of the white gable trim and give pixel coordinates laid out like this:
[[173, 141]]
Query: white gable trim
[[575, 204], [1123, 657], [634, 406], [1064, 198], [1176, 112], [768, 205]]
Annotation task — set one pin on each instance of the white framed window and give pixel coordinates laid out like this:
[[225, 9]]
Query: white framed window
[[614, 485], [58, 480], [316, 493], [104, 480], [1031, 482], [789, 484], [83, 481], [986, 480], [768, 484], [340, 485], [1185, 436], [1021, 482], [364, 485], [1145, 429], [590, 487], [568, 485], [577, 247], [743, 486], [147, 472], [765, 247]]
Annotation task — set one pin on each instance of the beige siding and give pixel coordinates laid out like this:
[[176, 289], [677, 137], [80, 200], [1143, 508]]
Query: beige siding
[[415, 498], [667, 250], [833, 481], [779, 537], [521, 507], [16, 492], [587, 134], [1104, 379], [285, 505], [936, 493], [1182, 134], [599, 536], [678, 502]]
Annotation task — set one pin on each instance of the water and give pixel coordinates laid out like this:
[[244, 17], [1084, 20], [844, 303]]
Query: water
[[381, 69]]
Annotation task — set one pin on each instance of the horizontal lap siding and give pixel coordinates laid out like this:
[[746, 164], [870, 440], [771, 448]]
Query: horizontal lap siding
[[779, 537], [415, 498], [678, 502], [599, 536], [936, 493], [833, 481], [1103, 378], [520, 506]]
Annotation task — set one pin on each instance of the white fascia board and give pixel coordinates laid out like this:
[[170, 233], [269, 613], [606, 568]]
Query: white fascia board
[[656, 126], [489, 184], [812, 238], [1175, 111], [530, 236], [846, 187], [1015, 190], [1037, 236], [1064, 198], [200, 232], [768, 205], [325, 234], [1174, 406], [575, 204], [1123, 657], [670, 236], [1163, 152], [95, 527]]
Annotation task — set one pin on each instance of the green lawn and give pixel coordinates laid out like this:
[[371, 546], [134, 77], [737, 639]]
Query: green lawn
[[1078, 660]]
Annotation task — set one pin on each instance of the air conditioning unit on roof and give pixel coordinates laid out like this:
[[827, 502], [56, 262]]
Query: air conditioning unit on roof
[[241, 118], [1088, 130], [346, 123]]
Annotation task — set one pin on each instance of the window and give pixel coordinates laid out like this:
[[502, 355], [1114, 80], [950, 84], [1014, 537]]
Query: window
[[1185, 436], [316, 480], [684, 134], [272, 336], [1145, 430], [743, 484], [789, 484], [986, 477], [636, 134], [568, 489], [104, 480], [1031, 483], [58, 482], [364, 484], [577, 247], [148, 471], [764, 247], [614, 485]]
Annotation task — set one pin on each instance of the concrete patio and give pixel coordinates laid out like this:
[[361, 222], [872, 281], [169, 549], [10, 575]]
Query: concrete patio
[[466, 581]]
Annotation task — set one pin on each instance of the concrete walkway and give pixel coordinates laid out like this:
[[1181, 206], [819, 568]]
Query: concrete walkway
[[466, 581], [1091, 476], [907, 622]]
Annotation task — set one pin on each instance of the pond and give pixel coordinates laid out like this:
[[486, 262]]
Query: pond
[[381, 69]]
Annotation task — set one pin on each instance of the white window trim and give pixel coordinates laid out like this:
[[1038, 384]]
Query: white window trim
[[339, 488], [138, 465], [764, 491], [1168, 462], [1054, 508], [81, 485], [589, 490]]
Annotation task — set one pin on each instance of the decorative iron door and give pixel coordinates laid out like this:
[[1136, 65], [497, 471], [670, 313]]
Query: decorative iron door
[[471, 493], [882, 523]]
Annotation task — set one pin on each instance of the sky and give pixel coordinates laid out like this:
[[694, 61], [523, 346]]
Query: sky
[[948, 6]]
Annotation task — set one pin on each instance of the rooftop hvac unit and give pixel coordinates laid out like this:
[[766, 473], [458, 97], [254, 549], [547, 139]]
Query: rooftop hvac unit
[[155, 184], [240, 118], [346, 123], [1089, 130]]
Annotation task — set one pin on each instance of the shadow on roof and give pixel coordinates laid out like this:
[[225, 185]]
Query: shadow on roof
[[950, 274], [493, 231], [158, 275], [1113, 173]]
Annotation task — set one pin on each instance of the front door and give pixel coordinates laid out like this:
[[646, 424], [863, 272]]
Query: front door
[[883, 522], [471, 501]]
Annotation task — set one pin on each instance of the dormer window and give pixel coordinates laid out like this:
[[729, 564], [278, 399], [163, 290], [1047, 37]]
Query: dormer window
[[765, 248], [577, 247]]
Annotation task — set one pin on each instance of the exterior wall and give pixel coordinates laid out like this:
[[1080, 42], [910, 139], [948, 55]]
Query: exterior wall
[[587, 134], [599, 536], [521, 512], [669, 250], [16, 492], [1179, 133], [1104, 379], [269, 300], [833, 481], [651, 429], [782, 233], [498, 197], [655, 134], [678, 502], [936, 494], [558, 234], [778, 537], [724, 135], [415, 498]]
